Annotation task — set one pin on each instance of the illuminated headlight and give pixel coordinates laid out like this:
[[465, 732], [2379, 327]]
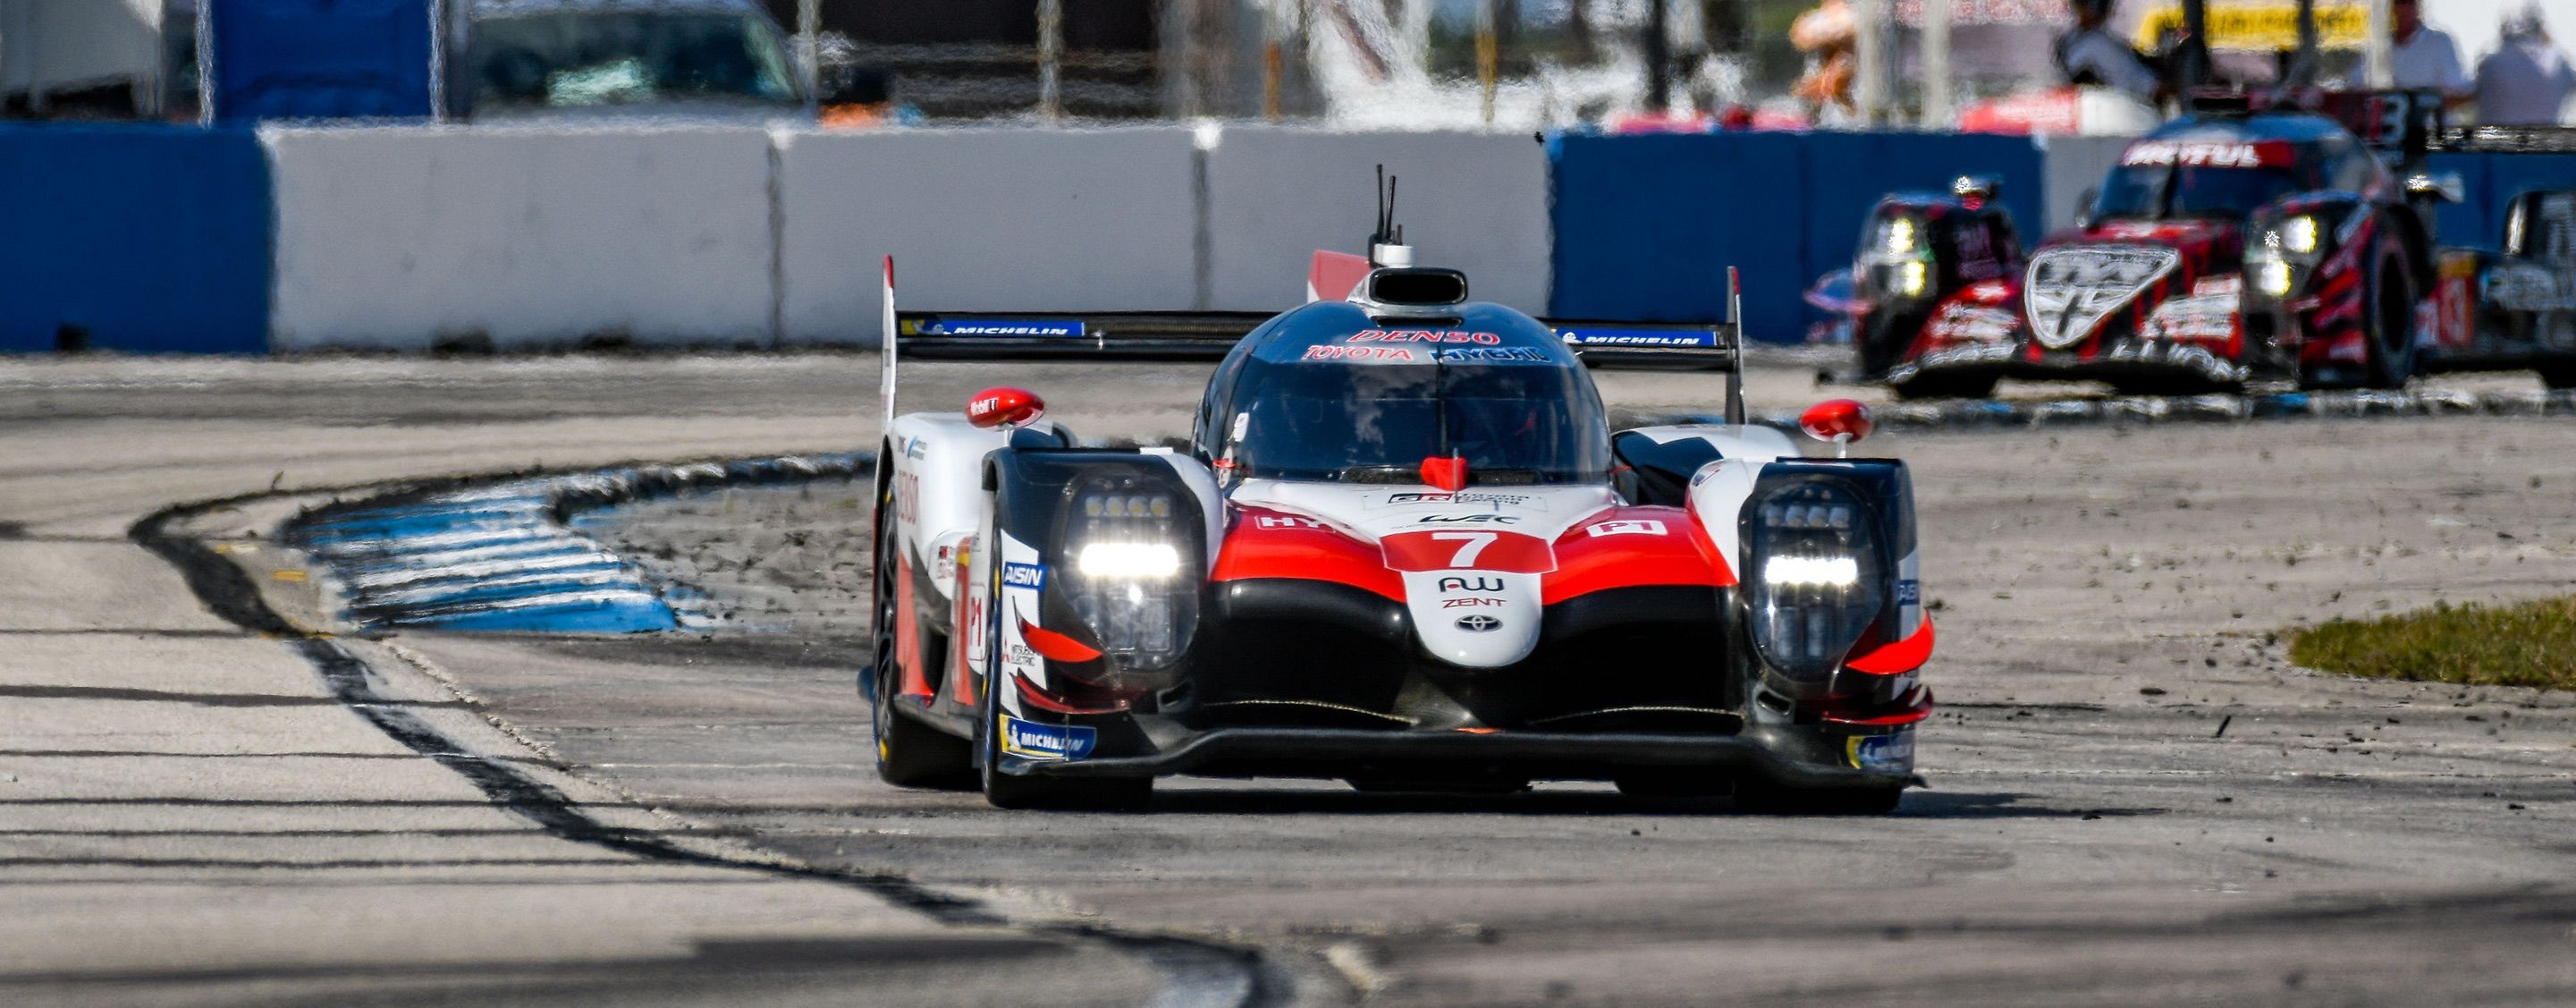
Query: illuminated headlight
[[1822, 578], [1899, 235], [2299, 235], [1912, 277], [1809, 572], [1129, 560], [2273, 276], [1131, 542]]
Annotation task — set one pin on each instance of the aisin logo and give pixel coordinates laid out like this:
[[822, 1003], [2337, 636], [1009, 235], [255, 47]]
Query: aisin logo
[[1478, 623]]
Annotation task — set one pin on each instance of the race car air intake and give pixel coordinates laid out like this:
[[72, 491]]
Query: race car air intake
[[1133, 562], [1816, 576]]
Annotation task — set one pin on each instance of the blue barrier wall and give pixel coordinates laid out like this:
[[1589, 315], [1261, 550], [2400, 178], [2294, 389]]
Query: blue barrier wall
[[313, 59], [1646, 225], [2493, 181], [148, 239]]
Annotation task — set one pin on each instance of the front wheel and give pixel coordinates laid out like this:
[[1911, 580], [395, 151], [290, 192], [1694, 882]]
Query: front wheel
[[1116, 794], [909, 753]]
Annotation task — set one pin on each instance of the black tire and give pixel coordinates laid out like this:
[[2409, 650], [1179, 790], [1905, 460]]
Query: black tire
[[1762, 797], [909, 753], [1104, 794], [1944, 386], [1675, 783], [2388, 327]]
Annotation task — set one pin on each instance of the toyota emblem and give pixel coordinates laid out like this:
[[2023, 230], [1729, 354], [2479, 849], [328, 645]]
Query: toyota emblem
[[1478, 623]]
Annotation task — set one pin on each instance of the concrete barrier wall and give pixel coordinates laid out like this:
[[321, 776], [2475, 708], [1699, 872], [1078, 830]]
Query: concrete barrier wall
[[401, 237], [2075, 166], [136, 238], [994, 220], [1470, 201]]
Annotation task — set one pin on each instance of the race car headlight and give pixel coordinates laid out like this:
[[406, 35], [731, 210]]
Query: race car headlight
[[1820, 579], [2298, 235], [1912, 277], [1899, 236], [1134, 549], [2273, 275]]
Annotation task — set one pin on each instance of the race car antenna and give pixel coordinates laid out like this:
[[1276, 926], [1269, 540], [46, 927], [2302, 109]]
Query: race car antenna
[[1735, 340], [1386, 246]]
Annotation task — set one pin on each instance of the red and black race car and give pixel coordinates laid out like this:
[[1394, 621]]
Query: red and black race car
[[2226, 247]]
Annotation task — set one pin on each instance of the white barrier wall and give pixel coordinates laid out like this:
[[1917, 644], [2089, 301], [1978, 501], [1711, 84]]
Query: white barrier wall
[[1471, 201], [993, 220], [401, 237], [2075, 165]]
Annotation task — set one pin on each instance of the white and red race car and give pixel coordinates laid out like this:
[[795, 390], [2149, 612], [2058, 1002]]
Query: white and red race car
[[1403, 548]]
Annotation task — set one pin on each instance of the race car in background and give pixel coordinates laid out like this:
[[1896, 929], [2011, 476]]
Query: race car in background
[[1402, 547], [2230, 246]]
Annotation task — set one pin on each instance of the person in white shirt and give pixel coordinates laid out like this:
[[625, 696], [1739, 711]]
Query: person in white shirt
[[2421, 57], [2525, 81], [2090, 54]]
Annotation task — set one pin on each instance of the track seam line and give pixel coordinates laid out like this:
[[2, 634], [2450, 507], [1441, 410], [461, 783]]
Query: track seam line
[[1183, 963]]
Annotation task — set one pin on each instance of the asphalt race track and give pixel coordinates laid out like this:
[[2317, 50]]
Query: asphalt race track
[[2135, 799]]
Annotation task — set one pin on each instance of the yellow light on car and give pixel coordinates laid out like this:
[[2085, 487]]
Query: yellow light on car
[[2299, 234], [2272, 276], [1912, 277], [1900, 234]]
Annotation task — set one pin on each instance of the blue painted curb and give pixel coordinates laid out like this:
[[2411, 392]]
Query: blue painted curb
[[504, 558]]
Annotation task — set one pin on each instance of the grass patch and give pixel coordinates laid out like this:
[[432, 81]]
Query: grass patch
[[2530, 644]]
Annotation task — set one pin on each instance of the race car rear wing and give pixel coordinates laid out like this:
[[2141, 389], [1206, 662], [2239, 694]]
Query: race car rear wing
[[1210, 335]]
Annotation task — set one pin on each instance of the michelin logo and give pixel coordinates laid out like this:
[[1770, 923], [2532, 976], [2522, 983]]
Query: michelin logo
[[1637, 337], [1046, 741], [1023, 575], [990, 327]]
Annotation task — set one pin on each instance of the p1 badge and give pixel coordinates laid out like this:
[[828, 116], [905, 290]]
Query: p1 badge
[[1893, 753], [1046, 741]]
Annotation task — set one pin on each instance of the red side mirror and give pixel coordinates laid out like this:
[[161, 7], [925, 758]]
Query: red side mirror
[[1004, 406], [1840, 421]]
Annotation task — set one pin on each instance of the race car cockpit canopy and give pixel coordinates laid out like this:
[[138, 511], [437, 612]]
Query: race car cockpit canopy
[[1326, 392], [2227, 167]]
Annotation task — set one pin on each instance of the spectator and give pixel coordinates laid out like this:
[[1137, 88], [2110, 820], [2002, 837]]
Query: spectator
[[2421, 57], [2091, 55], [1829, 36], [2525, 81]]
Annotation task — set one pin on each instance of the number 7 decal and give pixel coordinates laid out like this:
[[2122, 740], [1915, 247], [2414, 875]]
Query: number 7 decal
[[1475, 544], [1508, 552]]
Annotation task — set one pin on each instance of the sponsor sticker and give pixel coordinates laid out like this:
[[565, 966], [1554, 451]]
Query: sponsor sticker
[[1637, 337], [1471, 602], [1039, 328], [1635, 526], [1023, 575], [1380, 354], [1425, 336], [1882, 752], [1479, 623], [1509, 354], [1046, 741], [1465, 497], [1471, 584], [1480, 517], [1909, 592], [1286, 521], [2260, 154], [916, 448]]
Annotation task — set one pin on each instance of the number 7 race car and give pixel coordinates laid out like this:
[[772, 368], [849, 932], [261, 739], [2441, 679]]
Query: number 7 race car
[[1401, 547]]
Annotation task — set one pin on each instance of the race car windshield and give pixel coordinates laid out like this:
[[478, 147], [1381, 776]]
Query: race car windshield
[[1375, 423], [2156, 192]]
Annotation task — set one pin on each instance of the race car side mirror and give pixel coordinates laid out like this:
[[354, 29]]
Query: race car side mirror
[[1840, 421], [1003, 406], [2444, 186]]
